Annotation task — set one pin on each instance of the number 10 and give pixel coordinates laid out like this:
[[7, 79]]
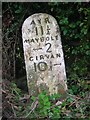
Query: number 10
[[41, 66]]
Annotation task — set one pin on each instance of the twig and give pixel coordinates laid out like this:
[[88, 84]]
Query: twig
[[73, 96], [3, 91], [13, 110], [5, 10], [72, 104], [33, 106]]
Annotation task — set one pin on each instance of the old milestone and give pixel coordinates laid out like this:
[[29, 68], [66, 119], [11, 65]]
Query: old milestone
[[43, 55]]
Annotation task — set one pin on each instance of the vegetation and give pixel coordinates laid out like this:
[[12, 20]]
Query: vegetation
[[74, 23]]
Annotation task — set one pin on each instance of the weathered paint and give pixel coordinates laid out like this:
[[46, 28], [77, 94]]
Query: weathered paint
[[43, 54]]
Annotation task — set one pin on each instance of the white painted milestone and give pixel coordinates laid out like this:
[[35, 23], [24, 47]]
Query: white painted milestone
[[43, 54]]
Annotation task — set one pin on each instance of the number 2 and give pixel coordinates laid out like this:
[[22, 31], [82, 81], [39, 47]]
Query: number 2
[[48, 50]]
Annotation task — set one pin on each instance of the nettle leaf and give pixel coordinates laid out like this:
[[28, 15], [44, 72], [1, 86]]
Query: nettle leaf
[[64, 21], [65, 32]]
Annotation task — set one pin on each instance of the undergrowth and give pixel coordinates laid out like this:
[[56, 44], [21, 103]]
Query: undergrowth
[[48, 106]]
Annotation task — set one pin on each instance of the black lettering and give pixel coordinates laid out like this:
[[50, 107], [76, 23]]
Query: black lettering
[[36, 57], [37, 39], [41, 57], [31, 58], [52, 38], [36, 31], [42, 39], [26, 41], [48, 50], [52, 56], [39, 20], [33, 22], [42, 66], [56, 37], [32, 40], [35, 67], [47, 20], [58, 55], [47, 38], [57, 64], [50, 65], [48, 30], [41, 30], [47, 56]]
